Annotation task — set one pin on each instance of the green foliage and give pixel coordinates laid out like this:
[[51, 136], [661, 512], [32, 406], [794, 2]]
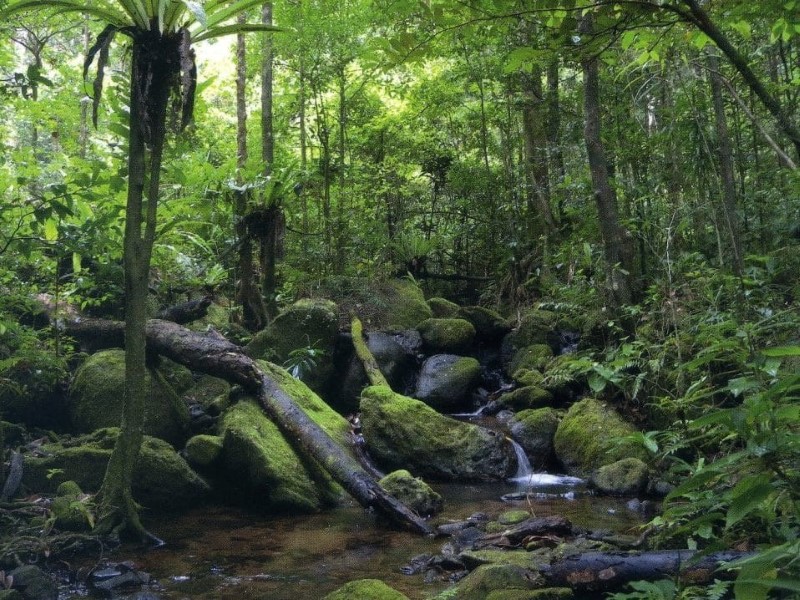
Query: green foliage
[[302, 361]]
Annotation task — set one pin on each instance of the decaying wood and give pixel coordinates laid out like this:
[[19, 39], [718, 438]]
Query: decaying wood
[[605, 571], [554, 525], [186, 312], [365, 356], [219, 357]]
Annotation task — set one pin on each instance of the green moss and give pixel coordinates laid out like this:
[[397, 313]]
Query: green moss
[[543, 594], [96, 401], [488, 324], [442, 308], [534, 430], [475, 558], [406, 433], [487, 579], [207, 391], [526, 397], [447, 335], [526, 377], [366, 589], [533, 357], [162, 479], [305, 324], [405, 305], [625, 477], [446, 380], [69, 489], [534, 328], [591, 435], [413, 492], [204, 450]]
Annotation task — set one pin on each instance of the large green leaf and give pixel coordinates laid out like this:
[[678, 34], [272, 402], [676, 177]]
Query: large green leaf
[[747, 496], [101, 11]]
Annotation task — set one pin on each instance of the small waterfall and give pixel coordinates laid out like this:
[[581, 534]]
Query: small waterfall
[[524, 469]]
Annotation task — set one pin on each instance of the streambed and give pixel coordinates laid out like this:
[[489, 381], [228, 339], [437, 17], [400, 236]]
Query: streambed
[[226, 553]]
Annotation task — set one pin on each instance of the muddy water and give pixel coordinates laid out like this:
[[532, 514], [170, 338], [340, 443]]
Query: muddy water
[[229, 553]]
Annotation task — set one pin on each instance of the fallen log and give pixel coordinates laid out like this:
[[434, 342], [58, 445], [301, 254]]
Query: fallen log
[[217, 356], [606, 571], [365, 356], [538, 526], [186, 312]]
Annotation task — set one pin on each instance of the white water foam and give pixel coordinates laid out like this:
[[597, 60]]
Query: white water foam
[[526, 476]]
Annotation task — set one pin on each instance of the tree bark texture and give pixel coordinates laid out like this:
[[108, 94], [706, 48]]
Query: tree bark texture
[[218, 357]]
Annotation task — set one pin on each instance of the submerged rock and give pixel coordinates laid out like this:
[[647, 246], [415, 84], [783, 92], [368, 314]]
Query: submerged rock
[[447, 335], [258, 457], [366, 589], [446, 380], [96, 401], [403, 433], [161, 478], [413, 492], [591, 435]]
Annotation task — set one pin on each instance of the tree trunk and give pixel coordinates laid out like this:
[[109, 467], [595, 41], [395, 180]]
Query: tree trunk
[[595, 572], [728, 216], [367, 359], [616, 240], [151, 75], [218, 357]]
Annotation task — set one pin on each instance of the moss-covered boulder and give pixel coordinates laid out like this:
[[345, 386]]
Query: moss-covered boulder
[[526, 377], [204, 451], [523, 398], [308, 323], [403, 433], [626, 477], [488, 324], [260, 460], [96, 398], [534, 430], [446, 380], [70, 508], [495, 581], [413, 492], [161, 478], [446, 335], [591, 435], [366, 589], [536, 327], [405, 305], [209, 392], [443, 308], [533, 357], [34, 583]]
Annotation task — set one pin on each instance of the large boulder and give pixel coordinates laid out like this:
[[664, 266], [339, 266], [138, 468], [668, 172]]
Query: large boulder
[[446, 380], [489, 324], [403, 433], [447, 335], [366, 589], [303, 335], [413, 492], [626, 477], [96, 402], [591, 435], [534, 430], [260, 460], [161, 478], [443, 308], [533, 357], [536, 327], [405, 305], [530, 396]]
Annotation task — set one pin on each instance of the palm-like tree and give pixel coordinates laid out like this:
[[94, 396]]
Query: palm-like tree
[[162, 67]]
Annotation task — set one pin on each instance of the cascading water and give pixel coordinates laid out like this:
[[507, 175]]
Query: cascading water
[[526, 477]]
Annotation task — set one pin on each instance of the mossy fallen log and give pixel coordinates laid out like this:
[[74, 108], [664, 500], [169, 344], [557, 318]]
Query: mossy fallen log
[[217, 356]]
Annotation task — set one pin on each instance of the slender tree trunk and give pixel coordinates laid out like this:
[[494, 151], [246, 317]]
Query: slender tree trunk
[[554, 151], [728, 218], [150, 79], [83, 132], [254, 313], [616, 240], [341, 223]]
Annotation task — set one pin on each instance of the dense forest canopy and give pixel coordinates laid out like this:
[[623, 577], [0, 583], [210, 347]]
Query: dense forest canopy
[[631, 163]]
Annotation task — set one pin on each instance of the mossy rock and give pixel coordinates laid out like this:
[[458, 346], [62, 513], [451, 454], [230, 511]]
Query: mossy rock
[[413, 492], [473, 559], [591, 435], [30, 391], [526, 397], [541, 594], [161, 478], [514, 516], [533, 357], [308, 323], [405, 305], [626, 477], [96, 401], [366, 589], [526, 377], [35, 582], [443, 308], [446, 335], [403, 433], [258, 457], [446, 380], [535, 327], [495, 579], [206, 392], [534, 430], [204, 451], [488, 324]]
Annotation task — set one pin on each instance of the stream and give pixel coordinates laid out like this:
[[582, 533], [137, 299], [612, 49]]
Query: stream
[[227, 553]]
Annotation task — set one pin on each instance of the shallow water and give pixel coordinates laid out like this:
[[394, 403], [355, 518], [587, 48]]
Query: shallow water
[[230, 553]]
